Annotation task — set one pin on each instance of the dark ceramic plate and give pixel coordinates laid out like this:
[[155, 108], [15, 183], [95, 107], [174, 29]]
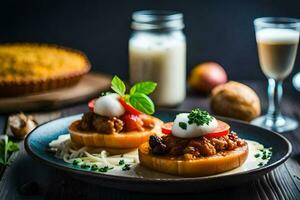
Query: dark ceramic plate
[[36, 144]]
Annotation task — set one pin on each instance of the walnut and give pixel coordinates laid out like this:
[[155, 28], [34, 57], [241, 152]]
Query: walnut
[[21, 125]]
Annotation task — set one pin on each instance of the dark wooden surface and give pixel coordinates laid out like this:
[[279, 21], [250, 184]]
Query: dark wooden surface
[[28, 179]]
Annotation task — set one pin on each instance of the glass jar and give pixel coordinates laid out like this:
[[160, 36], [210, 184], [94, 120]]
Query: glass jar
[[157, 52]]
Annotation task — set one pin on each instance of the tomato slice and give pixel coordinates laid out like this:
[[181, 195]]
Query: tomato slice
[[132, 122], [221, 130], [129, 108], [91, 105], [167, 128]]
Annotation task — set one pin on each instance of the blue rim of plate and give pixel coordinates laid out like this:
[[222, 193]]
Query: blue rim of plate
[[110, 177]]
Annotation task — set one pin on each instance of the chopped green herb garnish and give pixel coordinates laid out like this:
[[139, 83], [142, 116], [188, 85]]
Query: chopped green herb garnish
[[121, 162], [264, 157], [183, 125], [256, 155], [199, 117], [265, 152], [105, 169], [77, 161], [94, 167], [126, 167], [85, 165], [260, 164], [138, 94]]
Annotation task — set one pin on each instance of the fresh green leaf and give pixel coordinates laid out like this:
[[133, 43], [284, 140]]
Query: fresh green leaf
[[118, 85], [142, 102], [126, 97], [138, 94], [12, 147], [6, 148], [146, 87], [182, 125]]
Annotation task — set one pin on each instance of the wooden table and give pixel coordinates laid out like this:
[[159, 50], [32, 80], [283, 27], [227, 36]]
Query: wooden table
[[28, 179]]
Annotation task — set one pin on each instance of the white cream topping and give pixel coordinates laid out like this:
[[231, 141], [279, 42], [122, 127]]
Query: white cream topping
[[109, 106], [192, 130]]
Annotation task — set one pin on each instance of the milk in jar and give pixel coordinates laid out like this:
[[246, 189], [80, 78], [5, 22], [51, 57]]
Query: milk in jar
[[157, 52]]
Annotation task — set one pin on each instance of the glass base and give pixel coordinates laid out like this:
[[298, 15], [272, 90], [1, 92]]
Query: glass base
[[280, 124]]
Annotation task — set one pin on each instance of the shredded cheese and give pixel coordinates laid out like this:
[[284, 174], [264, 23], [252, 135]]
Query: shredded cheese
[[64, 150]]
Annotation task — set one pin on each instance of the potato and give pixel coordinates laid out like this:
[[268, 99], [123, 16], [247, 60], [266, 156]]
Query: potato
[[235, 100]]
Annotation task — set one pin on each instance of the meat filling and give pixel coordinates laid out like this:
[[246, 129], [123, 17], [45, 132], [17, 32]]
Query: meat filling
[[107, 125], [194, 147]]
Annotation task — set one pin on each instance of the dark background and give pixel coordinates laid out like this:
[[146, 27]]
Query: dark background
[[220, 31]]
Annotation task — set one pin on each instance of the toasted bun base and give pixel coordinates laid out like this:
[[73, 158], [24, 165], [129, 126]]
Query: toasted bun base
[[126, 140], [191, 168]]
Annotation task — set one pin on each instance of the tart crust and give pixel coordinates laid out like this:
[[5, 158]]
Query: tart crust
[[28, 84]]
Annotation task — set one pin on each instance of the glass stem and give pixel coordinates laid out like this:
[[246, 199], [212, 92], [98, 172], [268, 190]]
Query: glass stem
[[274, 94]]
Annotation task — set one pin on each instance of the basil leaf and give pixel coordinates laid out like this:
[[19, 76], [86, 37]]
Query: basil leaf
[[146, 87], [126, 97], [142, 102], [118, 85]]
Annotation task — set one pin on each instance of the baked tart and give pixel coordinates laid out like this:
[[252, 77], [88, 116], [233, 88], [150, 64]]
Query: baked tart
[[32, 68]]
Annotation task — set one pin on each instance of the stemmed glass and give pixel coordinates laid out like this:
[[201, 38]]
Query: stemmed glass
[[277, 42]]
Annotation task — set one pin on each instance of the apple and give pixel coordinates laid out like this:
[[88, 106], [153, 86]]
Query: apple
[[205, 76]]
